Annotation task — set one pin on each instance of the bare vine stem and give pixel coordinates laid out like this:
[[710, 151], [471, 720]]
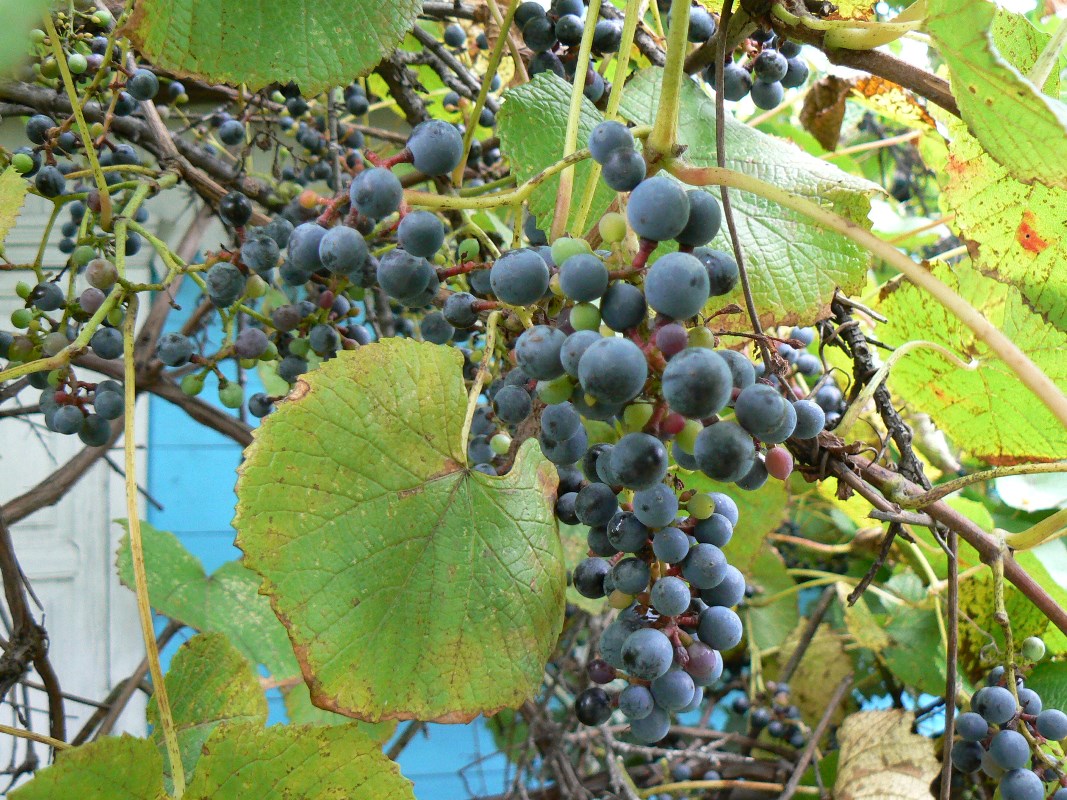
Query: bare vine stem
[[664, 134], [945, 489]]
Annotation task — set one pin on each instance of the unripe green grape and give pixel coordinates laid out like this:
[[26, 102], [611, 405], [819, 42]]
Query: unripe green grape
[[585, 317], [469, 250], [248, 363], [37, 36], [231, 394], [277, 96], [192, 384], [270, 353], [115, 317], [554, 287], [50, 68], [500, 443], [22, 163], [565, 247], [103, 18], [556, 390], [77, 63], [700, 506], [96, 130], [701, 337], [21, 317], [612, 227], [300, 347], [598, 431], [255, 287], [636, 415], [687, 436], [23, 289], [56, 378], [1033, 649], [53, 343], [82, 255]]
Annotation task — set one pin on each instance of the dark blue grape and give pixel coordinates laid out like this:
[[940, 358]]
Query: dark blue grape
[[1052, 724], [769, 66], [674, 690], [260, 254], [658, 209], [724, 452], [639, 460], [723, 274], [107, 343], [647, 653], [796, 75], [231, 132], [656, 507], [652, 728], [142, 85], [109, 405], [767, 95], [459, 310], [67, 420], [588, 577], [537, 352], [705, 219], [728, 593], [670, 545], [626, 533], [376, 193], [546, 62], [623, 306], [225, 283], [37, 128], [677, 286], [719, 628], [631, 575], [574, 347], [436, 147], [760, 410], [613, 370], [1010, 750], [565, 451], [539, 34], [596, 504], [697, 382], [701, 24], [971, 727], [737, 82], [583, 277], [995, 703], [95, 431], [421, 233], [519, 277], [670, 596], [47, 296], [342, 250], [716, 530], [569, 30], [1021, 784], [50, 182], [624, 169], [635, 702], [607, 36], [606, 138], [455, 36], [402, 275], [560, 421], [512, 404]]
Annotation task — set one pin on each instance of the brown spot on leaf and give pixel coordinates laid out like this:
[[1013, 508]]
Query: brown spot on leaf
[[299, 391], [1027, 236]]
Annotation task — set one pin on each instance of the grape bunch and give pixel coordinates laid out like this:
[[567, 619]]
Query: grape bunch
[[774, 712], [1003, 733], [768, 66]]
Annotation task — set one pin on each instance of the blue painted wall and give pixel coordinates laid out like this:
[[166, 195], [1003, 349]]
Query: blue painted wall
[[191, 473]]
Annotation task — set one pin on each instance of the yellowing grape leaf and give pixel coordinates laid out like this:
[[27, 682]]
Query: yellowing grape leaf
[[881, 759], [111, 768], [995, 97], [411, 586], [971, 407]]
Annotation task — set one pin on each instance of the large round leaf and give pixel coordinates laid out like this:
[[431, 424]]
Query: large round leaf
[[317, 43], [412, 587]]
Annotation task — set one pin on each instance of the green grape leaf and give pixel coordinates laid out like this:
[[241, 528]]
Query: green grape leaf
[[916, 655], [239, 760], [227, 602], [411, 586], [316, 43], [13, 188], [112, 768], [994, 95], [19, 17], [968, 405], [209, 682], [794, 266], [1049, 679], [295, 762], [1040, 564], [532, 147], [824, 665], [300, 711]]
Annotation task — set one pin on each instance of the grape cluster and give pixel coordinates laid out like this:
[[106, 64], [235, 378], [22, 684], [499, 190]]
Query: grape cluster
[[1002, 734], [768, 66], [774, 712]]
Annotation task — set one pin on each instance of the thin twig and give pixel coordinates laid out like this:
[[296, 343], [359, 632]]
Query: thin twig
[[835, 700], [807, 634]]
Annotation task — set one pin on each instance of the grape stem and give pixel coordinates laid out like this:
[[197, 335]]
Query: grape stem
[[83, 129], [479, 378], [945, 489], [58, 744], [1052, 527], [622, 62], [144, 610], [664, 136], [574, 118], [1028, 372], [483, 92]]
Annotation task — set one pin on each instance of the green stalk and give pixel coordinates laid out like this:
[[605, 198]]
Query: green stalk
[[570, 142], [665, 130]]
